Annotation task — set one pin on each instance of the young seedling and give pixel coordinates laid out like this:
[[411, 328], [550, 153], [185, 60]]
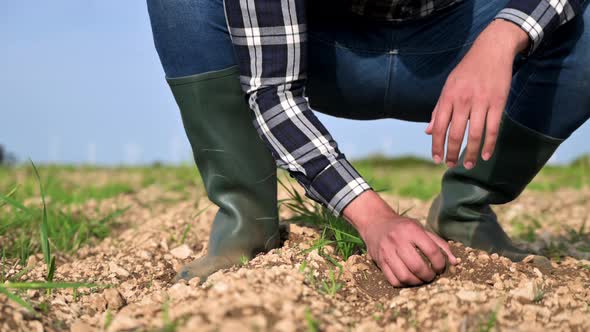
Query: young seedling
[[49, 260], [527, 231], [44, 307], [312, 324], [170, 325], [539, 296], [189, 226], [2, 264], [108, 319], [335, 230], [185, 233], [309, 274], [490, 323], [332, 285], [244, 260], [12, 288], [303, 266]]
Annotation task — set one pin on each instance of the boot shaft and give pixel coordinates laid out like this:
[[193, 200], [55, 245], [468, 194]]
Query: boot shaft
[[238, 171]]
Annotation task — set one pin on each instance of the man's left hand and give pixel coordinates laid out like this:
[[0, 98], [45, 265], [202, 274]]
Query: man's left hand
[[476, 91]]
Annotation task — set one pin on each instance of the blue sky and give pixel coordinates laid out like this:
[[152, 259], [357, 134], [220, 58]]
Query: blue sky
[[81, 83]]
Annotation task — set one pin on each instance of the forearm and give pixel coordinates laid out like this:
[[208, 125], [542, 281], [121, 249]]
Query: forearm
[[269, 39], [304, 147]]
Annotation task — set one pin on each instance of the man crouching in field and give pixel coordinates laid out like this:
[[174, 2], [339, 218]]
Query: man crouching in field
[[516, 70]]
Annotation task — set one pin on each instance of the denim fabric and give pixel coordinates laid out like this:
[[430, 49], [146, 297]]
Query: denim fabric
[[190, 36], [365, 70]]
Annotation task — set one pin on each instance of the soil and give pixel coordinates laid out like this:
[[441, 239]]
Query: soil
[[283, 289]]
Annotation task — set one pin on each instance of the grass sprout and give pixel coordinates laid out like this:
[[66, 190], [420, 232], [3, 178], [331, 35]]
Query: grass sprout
[[335, 230], [31, 219], [332, 285], [312, 323]]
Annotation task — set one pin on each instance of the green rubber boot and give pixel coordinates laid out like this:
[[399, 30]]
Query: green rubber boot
[[462, 212], [238, 171]]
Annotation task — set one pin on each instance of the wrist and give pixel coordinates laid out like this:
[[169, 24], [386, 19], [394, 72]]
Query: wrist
[[367, 209], [509, 36]]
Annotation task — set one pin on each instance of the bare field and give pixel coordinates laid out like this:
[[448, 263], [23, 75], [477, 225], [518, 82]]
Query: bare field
[[296, 287]]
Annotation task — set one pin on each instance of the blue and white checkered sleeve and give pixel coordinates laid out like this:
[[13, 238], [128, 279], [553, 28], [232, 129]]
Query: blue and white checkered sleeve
[[270, 43], [539, 18]]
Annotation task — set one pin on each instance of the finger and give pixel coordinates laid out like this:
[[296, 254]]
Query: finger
[[431, 123], [494, 117], [389, 275], [433, 253], [439, 130], [456, 133], [444, 245], [401, 271], [416, 263], [476, 127]]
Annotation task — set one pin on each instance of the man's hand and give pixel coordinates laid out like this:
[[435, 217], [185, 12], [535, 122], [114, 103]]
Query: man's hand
[[476, 91], [393, 240]]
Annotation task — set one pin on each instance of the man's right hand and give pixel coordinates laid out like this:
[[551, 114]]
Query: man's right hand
[[392, 241]]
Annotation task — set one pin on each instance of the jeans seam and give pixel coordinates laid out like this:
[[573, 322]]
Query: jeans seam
[[340, 46], [385, 51], [386, 100], [402, 52]]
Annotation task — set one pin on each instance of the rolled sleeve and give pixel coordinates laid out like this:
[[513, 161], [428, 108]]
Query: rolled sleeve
[[539, 18], [337, 185]]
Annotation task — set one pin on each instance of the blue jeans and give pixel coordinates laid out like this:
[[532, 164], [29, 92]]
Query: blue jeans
[[360, 69]]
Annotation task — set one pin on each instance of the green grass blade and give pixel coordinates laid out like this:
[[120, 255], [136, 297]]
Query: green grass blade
[[185, 233], [2, 264], [2, 203], [312, 324], [113, 215], [44, 228], [351, 237], [46, 285], [15, 204], [22, 273], [51, 269], [16, 299], [108, 320]]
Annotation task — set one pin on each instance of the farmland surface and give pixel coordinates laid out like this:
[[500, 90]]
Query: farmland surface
[[125, 231]]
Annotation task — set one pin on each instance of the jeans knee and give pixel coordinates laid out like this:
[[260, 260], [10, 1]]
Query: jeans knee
[[190, 36]]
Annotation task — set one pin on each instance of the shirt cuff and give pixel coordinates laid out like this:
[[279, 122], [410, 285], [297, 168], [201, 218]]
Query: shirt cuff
[[536, 18], [337, 185]]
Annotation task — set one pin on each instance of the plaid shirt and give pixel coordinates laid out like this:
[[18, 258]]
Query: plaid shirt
[[269, 38]]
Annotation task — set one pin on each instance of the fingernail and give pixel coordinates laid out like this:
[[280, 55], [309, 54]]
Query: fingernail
[[450, 164], [486, 156], [436, 159], [469, 165]]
